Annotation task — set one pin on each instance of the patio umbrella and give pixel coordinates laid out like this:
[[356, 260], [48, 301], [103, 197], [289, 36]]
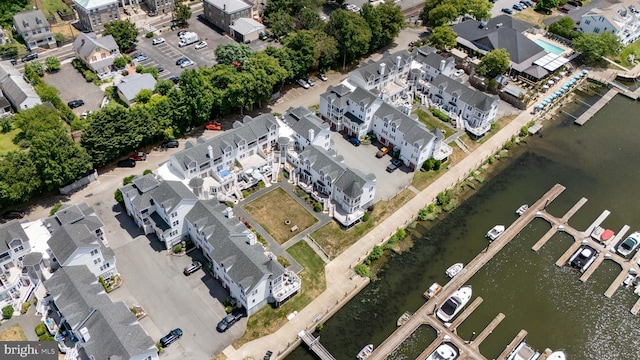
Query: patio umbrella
[[585, 71]]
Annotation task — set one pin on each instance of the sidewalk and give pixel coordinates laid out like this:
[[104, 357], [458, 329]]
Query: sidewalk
[[341, 283]]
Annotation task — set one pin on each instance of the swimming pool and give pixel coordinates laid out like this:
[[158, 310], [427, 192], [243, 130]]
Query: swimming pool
[[548, 47]]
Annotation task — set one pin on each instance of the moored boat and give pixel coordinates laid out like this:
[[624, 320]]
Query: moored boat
[[454, 269], [433, 290], [583, 257], [404, 318], [629, 244], [522, 209], [365, 352], [444, 352], [607, 235], [557, 355], [454, 303], [523, 352], [495, 232]]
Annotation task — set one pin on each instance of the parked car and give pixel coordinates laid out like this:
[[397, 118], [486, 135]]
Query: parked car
[[138, 156], [303, 83], [563, 9], [187, 63], [182, 32], [200, 45], [175, 79], [267, 356], [75, 103], [141, 58], [29, 57], [157, 41], [171, 337], [126, 163], [213, 126], [355, 141], [322, 77], [575, 3], [191, 268], [517, 7], [14, 62], [309, 81], [382, 152], [392, 167], [160, 69], [16, 214], [170, 144], [507, 11], [629, 244], [181, 60], [228, 320]]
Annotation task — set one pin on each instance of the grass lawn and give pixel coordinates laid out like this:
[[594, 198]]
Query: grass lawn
[[334, 240], [273, 209], [6, 141], [433, 122], [632, 48], [533, 17], [50, 6], [13, 333], [268, 320]]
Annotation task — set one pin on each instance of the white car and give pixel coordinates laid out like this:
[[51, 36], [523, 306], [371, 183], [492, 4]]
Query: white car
[[187, 63], [157, 41], [201, 44]]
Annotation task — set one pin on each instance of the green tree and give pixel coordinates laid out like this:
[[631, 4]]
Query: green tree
[[19, 178], [36, 67], [53, 64], [372, 16], [392, 22], [283, 55], [351, 32], [326, 50], [428, 6], [274, 74], [124, 33], [443, 38], [229, 53], [108, 135], [120, 62], [281, 23], [442, 14], [564, 27], [198, 96], [303, 45], [547, 4], [494, 63], [163, 86], [478, 9], [181, 14], [308, 19], [594, 47], [144, 96]]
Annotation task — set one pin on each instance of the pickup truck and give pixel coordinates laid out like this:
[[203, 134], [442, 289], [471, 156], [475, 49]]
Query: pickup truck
[[382, 152]]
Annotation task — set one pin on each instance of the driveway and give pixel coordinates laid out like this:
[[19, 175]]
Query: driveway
[[72, 86], [364, 158]]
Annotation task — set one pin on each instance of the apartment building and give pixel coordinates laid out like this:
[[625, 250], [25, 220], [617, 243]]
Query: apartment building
[[93, 14]]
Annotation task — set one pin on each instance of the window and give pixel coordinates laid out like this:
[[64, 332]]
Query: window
[[94, 252], [174, 214], [587, 22], [97, 261], [175, 223], [19, 248]]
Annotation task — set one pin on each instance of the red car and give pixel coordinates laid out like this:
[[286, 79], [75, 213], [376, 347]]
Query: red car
[[213, 126], [138, 156], [563, 9]]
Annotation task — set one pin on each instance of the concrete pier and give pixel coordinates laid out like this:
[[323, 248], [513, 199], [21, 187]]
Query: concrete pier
[[619, 236], [314, 345], [543, 240], [592, 268]]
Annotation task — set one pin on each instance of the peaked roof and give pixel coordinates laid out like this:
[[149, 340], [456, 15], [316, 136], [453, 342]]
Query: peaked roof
[[302, 120], [167, 194], [132, 84], [372, 68], [229, 6], [85, 44], [28, 21], [10, 231], [466, 94], [246, 26], [92, 4], [14, 87]]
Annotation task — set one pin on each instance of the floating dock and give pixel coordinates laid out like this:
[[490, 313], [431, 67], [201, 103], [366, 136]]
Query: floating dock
[[314, 345], [582, 119]]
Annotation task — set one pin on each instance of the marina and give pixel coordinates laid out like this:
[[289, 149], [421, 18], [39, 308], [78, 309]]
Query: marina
[[582, 119], [446, 332]]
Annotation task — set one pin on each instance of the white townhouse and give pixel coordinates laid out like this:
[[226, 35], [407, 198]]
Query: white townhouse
[[388, 75], [621, 18], [431, 64], [15, 284], [159, 207], [345, 191], [221, 167], [78, 238], [86, 324], [476, 109], [253, 277], [307, 128]]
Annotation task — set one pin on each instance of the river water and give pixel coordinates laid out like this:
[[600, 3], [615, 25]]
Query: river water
[[597, 161]]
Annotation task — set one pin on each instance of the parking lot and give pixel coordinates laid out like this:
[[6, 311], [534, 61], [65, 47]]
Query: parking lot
[[81, 89], [364, 158]]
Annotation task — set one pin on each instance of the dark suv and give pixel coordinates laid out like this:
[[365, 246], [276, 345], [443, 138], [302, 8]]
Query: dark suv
[[171, 337], [170, 144], [228, 320], [29, 57], [75, 103]]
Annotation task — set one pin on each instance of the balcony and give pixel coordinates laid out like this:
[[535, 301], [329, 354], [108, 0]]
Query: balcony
[[347, 219], [288, 286]]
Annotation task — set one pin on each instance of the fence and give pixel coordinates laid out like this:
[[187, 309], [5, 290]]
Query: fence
[[71, 188]]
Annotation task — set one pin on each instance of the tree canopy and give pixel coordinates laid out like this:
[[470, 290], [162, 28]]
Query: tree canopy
[[124, 33], [229, 53], [351, 32], [443, 38], [547, 4], [494, 63], [594, 47], [441, 12], [181, 14], [564, 27]]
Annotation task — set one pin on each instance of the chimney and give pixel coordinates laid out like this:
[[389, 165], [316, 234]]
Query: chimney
[[81, 42], [312, 134], [210, 151], [224, 7], [381, 69], [398, 61], [442, 65], [228, 212]]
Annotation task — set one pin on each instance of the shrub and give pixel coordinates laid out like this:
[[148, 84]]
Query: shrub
[[53, 64], [125, 73], [439, 114], [317, 207], [149, 35], [117, 195], [319, 327], [147, 172], [285, 174], [120, 63], [55, 209], [127, 180], [362, 270], [5, 126], [25, 307], [365, 217], [245, 193], [229, 204], [101, 281], [90, 76], [401, 233], [40, 329], [7, 312], [177, 249], [46, 337], [37, 67], [284, 262], [139, 68], [422, 214], [376, 253]]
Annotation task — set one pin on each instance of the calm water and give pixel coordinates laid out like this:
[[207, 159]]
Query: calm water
[[597, 161]]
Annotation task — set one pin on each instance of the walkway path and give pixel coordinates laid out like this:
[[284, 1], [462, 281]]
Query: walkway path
[[341, 284]]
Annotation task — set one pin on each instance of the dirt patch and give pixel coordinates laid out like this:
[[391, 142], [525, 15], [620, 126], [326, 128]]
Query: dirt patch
[[13, 333]]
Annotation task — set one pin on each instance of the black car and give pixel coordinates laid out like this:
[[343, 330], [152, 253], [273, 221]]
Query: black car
[[126, 163], [170, 144], [391, 167], [507, 10], [193, 267], [228, 320], [267, 356], [29, 57], [171, 337], [181, 60], [14, 62], [16, 214], [175, 79], [75, 103], [160, 69]]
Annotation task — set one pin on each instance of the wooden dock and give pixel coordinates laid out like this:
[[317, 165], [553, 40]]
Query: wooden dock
[[582, 119], [314, 345], [488, 330], [512, 345]]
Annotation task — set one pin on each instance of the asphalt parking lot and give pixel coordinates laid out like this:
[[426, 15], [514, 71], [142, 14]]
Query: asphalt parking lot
[[80, 88], [364, 158]]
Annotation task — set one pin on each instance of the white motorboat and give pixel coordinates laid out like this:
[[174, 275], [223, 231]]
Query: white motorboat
[[583, 258], [523, 352], [628, 280], [444, 352], [629, 244], [454, 303], [433, 290], [404, 318], [522, 209], [365, 352], [454, 269], [557, 355], [495, 232]]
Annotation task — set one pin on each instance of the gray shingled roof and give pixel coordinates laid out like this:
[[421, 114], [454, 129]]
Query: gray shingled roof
[[86, 43], [337, 95], [414, 131], [32, 258], [168, 194], [34, 19], [229, 6], [132, 84], [146, 182], [9, 231], [351, 183], [246, 26], [13, 85], [76, 292], [468, 95], [78, 214], [324, 162], [246, 264], [362, 96], [301, 120], [249, 130], [371, 69]]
